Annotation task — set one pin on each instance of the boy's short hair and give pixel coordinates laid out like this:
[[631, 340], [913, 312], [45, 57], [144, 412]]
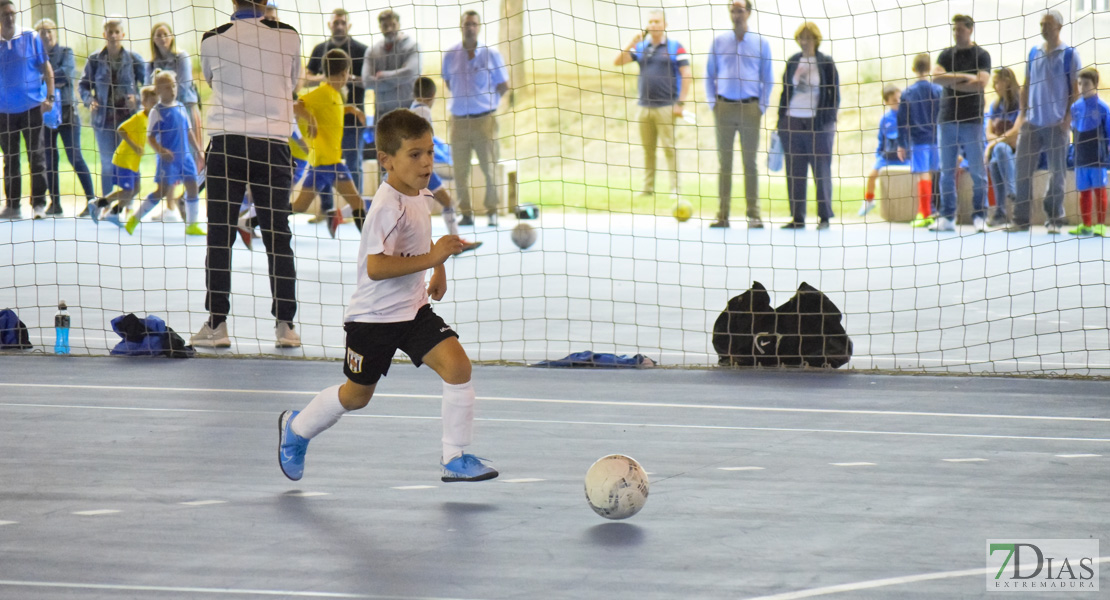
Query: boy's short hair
[[922, 63], [889, 90], [340, 12], [964, 20], [1090, 74], [114, 21], [396, 126], [336, 61], [147, 91], [163, 75], [388, 14], [424, 87]]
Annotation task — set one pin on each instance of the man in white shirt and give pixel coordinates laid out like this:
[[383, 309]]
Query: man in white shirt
[[253, 65]]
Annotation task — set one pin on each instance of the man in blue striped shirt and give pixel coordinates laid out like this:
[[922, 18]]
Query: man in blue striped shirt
[[27, 91], [476, 76], [738, 85]]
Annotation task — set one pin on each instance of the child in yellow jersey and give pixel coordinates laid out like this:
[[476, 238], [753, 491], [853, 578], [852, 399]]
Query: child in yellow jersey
[[323, 110], [125, 162]]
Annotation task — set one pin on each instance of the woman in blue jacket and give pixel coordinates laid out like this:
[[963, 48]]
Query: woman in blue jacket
[[69, 129], [109, 87], [807, 125]]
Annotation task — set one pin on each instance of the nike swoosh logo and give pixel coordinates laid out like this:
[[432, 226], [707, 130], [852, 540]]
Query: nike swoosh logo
[[444, 329], [286, 456]]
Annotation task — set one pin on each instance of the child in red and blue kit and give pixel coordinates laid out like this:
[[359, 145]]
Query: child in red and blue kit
[[1090, 125]]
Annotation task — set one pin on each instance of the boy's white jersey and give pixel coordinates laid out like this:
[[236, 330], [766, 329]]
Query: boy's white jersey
[[396, 225]]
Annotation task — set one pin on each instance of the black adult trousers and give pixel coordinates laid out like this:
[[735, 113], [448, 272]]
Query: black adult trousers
[[236, 162], [27, 125]]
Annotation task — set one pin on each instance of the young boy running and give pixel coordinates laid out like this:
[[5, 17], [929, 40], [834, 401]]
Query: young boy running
[[171, 134], [125, 162], [389, 309], [323, 110], [917, 118], [1090, 126]]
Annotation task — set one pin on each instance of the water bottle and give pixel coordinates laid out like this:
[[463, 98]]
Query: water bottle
[[61, 330]]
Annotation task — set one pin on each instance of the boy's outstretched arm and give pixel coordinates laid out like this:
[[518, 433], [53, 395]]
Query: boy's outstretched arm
[[384, 266]]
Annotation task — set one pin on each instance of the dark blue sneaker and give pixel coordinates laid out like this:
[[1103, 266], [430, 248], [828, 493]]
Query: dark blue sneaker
[[467, 468], [291, 447]]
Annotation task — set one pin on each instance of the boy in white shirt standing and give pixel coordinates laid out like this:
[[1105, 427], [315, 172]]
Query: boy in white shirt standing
[[389, 309]]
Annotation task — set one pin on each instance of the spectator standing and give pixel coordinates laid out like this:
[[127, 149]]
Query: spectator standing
[[664, 84], [475, 75], [738, 86], [164, 56], [918, 111], [355, 94], [1046, 98], [253, 66], [27, 91], [807, 125], [391, 66], [963, 70], [69, 127], [1090, 124], [109, 87]]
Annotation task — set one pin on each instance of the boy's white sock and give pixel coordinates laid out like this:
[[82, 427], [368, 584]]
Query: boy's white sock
[[192, 209], [321, 413], [449, 220], [458, 418], [147, 205]]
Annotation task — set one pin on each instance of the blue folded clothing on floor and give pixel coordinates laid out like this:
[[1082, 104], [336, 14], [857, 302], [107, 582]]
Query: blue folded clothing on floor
[[600, 360], [148, 337], [13, 333]]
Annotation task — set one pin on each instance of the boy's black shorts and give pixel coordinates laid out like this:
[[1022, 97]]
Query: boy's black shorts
[[371, 346]]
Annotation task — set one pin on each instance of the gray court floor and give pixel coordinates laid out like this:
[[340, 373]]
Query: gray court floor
[[139, 478]]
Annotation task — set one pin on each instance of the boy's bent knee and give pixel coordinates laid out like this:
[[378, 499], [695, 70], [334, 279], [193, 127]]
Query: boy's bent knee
[[354, 396]]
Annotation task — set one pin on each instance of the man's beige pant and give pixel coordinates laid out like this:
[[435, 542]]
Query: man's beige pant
[[742, 118], [477, 135], [657, 130]]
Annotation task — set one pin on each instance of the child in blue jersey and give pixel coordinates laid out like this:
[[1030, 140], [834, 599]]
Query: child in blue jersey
[[1090, 127], [917, 142], [391, 309], [424, 96], [886, 154], [171, 134]]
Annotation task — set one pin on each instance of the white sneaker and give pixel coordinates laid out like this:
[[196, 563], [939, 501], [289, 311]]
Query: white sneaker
[[40, 212], [980, 224], [943, 224], [170, 216], [867, 207], [286, 337], [1052, 228], [208, 337]]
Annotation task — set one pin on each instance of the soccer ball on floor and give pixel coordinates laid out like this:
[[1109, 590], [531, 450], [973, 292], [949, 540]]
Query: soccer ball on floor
[[616, 486], [524, 236], [682, 211]]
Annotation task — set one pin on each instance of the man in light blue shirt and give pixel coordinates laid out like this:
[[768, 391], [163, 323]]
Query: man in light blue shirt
[[476, 76], [738, 85], [27, 91], [1046, 98]]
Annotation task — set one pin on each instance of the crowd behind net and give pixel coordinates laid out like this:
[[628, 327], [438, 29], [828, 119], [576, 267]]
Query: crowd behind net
[[612, 270]]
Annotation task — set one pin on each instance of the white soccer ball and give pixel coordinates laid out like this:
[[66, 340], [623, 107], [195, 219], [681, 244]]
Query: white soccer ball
[[524, 236], [616, 486]]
